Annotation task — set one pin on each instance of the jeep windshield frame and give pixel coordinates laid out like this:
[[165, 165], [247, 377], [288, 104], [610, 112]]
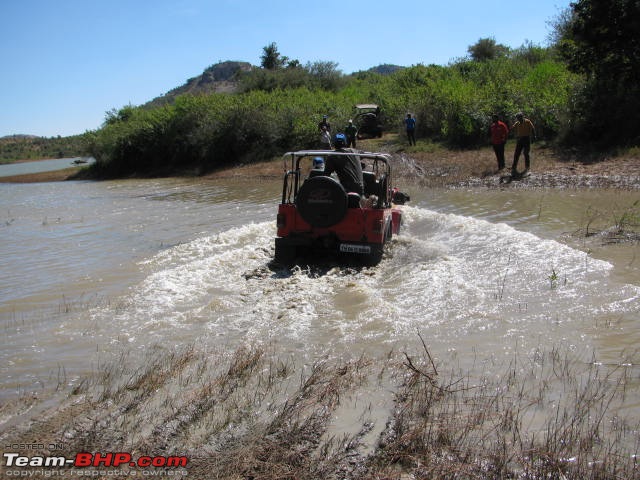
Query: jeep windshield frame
[[376, 163]]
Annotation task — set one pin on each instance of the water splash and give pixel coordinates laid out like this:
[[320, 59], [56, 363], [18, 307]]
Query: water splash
[[460, 281]]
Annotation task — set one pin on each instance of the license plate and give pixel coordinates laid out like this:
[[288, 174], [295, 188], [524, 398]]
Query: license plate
[[348, 248]]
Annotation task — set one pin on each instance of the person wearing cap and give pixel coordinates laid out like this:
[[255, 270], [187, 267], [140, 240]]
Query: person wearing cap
[[347, 167], [498, 132], [317, 167], [325, 123], [523, 130], [351, 131]]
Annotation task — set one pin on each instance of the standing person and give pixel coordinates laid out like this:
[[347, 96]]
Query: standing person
[[347, 167], [410, 123], [498, 132], [523, 130], [325, 123], [325, 138], [351, 131]]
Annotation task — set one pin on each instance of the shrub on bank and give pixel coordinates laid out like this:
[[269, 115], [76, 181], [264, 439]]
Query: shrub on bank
[[203, 133], [452, 104]]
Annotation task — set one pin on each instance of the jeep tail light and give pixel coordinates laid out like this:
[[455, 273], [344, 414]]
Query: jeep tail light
[[281, 221]]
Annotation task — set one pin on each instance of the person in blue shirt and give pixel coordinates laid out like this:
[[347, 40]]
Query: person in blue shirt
[[410, 123]]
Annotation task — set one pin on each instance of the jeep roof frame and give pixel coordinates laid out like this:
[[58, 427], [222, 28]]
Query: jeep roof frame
[[292, 167]]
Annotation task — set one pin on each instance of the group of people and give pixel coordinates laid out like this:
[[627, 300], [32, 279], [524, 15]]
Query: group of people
[[524, 132], [347, 167], [326, 140], [351, 132], [522, 129]]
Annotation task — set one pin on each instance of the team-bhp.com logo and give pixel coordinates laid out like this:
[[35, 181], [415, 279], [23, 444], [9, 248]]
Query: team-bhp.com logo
[[95, 460]]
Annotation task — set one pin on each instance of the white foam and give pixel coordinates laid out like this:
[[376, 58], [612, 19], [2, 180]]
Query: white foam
[[447, 275]]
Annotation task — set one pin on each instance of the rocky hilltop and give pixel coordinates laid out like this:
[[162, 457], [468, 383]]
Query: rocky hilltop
[[221, 77]]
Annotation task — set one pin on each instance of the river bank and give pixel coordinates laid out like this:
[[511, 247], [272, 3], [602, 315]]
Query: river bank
[[52, 176], [430, 165]]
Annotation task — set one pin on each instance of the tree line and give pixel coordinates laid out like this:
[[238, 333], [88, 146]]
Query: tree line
[[24, 147], [580, 90]]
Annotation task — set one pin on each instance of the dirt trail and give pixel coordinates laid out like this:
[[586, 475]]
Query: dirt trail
[[451, 169]]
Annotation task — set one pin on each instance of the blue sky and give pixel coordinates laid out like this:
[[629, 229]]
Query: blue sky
[[65, 63]]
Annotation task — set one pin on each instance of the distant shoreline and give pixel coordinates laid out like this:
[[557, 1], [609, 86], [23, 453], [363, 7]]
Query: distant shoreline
[[30, 160], [50, 176]]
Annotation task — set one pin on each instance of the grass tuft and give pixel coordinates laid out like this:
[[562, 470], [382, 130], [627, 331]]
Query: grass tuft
[[249, 414]]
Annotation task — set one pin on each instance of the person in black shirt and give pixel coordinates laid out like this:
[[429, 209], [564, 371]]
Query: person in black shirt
[[351, 131], [324, 123], [347, 167]]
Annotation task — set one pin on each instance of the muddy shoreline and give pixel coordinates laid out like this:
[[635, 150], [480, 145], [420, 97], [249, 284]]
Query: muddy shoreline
[[478, 168], [438, 167]]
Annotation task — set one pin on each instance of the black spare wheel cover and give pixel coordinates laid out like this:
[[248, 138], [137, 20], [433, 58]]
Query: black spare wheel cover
[[322, 201]]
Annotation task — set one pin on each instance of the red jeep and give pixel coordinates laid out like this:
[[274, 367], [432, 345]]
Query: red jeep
[[317, 214]]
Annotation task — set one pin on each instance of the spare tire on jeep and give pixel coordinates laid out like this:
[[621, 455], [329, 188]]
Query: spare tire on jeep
[[322, 201]]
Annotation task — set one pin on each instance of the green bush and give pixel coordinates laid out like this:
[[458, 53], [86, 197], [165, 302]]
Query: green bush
[[22, 147], [206, 132], [278, 111]]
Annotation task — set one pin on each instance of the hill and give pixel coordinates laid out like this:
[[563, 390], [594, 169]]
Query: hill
[[224, 77], [221, 77], [385, 69], [17, 136]]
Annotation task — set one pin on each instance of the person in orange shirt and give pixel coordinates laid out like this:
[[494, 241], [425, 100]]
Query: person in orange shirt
[[524, 131], [498, 132]]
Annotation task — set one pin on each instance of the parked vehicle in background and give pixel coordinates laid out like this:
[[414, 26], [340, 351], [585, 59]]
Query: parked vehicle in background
[[368, 120]]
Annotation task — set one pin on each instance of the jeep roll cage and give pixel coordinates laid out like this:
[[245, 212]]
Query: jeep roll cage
[[376, 173]]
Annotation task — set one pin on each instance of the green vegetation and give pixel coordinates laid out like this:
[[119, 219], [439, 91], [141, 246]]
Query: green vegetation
[[277, 109], [580, 91], [200, 133], [23, 147], [599, 40]]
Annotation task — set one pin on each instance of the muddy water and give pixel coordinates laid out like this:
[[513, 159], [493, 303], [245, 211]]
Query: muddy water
[[89, 270]]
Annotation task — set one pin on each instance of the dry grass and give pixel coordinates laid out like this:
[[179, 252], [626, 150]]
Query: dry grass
[[513, 426], [431, 165], [251, 415]]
